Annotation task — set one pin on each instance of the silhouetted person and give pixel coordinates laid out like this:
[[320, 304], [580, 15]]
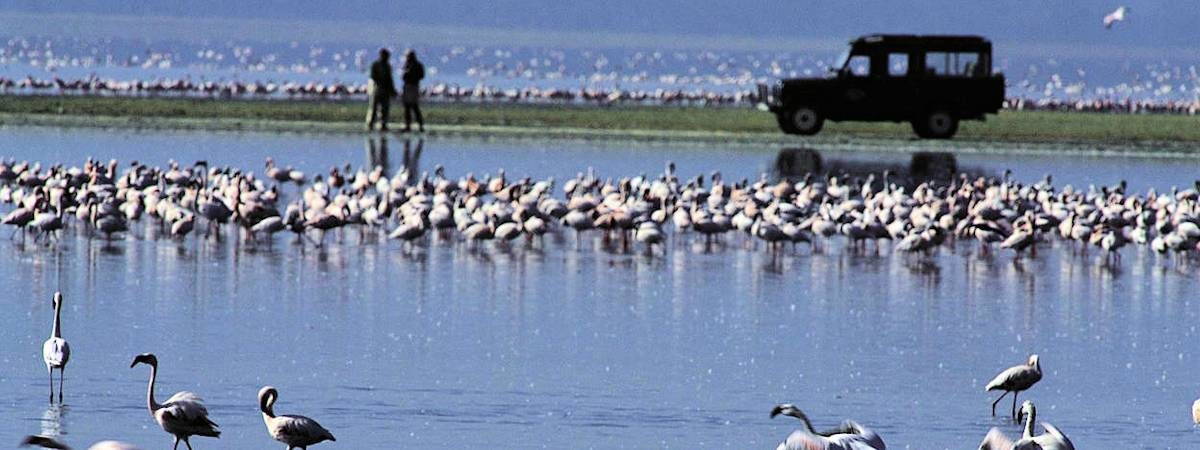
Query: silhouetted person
[[380, 91], [414, 72]]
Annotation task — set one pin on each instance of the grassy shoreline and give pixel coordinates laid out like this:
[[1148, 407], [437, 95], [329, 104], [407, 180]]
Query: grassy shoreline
[[625, 122]]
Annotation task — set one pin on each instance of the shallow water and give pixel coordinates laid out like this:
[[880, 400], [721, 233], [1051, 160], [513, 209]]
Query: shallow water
[[571, 347]]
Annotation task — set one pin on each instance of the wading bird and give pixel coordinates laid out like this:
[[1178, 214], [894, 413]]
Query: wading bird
[[295, 431], [849, 436], [49, 442], [56, 352], [1015, 379], [183, 415], [1052, 439]]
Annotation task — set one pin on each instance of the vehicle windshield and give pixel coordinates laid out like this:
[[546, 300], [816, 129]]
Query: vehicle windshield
[[840, 62]]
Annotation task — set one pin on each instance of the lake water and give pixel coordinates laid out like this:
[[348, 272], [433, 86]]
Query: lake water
[[572, 347]]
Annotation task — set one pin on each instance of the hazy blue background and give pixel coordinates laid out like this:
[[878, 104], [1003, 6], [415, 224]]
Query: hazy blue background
[[1060, 24]]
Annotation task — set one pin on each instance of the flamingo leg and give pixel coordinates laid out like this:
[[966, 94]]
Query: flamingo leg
[[51, 372], [176, 443], [186, 442], [997, 401], [1014, 405], [62, 373]]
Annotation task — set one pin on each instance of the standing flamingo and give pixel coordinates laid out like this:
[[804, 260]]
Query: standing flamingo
[[1016, 379], [295, 431], [183, 415], [56, 352]]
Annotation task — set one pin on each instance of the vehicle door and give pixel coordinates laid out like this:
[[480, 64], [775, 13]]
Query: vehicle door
[[896, 88], [857, 87]]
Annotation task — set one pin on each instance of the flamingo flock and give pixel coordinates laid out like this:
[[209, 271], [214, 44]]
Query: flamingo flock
[[821, 211]]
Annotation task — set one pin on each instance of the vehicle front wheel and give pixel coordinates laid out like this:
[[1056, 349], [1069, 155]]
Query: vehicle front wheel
[[804, 120], [938, 123]]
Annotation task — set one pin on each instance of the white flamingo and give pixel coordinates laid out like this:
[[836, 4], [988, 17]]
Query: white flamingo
[[1052, 439], [49, 442], [56, 352], [183, 415], [850, 436], [1016, 379], [295, 431]]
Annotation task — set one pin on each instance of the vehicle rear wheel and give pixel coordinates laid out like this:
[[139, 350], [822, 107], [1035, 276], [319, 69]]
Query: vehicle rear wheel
[[803, 120], [938, 123]]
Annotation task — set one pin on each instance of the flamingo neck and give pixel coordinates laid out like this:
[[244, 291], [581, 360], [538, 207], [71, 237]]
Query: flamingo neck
[[150, 403], [1029, 420], [268, 406], [807, 424], [57, 331]]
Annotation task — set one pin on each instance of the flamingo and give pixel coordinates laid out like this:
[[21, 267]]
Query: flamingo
[[49, 442], [56, 352], [1052, 439], [295, 431], [183, 415], [850, 436], [1015, 379]]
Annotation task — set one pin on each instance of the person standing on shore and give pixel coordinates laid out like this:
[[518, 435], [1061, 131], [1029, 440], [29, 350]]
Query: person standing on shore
[[380, 90], [413, 73]]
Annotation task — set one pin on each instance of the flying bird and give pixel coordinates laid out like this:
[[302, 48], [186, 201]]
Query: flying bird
[[1115, 16], [849, 436]]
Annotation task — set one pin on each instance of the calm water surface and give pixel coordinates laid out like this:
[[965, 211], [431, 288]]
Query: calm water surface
[[573, 347]]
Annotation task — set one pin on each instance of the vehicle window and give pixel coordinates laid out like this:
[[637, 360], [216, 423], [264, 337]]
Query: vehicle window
[[948, 64], [858, 65], [897, 64]]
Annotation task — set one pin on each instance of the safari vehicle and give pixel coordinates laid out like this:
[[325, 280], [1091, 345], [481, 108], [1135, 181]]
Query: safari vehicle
[[932, 82]]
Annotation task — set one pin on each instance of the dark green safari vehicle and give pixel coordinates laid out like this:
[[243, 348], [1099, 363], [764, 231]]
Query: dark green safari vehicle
[[932, 82]]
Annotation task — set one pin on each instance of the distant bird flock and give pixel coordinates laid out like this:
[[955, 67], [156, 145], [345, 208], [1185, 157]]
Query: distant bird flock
[[858, 215], [444, 92]]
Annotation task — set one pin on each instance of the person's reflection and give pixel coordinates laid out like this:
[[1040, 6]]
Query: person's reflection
[[377, 152], [377, 155], [412, 158]]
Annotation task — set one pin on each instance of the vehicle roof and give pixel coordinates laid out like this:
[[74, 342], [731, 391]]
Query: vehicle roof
[[949, 42]]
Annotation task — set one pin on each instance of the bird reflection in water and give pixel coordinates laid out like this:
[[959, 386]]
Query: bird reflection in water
[[52, 420]]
